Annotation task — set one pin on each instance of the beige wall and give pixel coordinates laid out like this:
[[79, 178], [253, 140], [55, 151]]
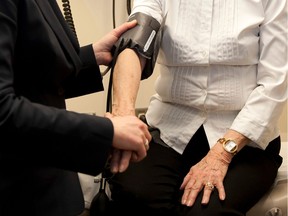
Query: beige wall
[[93, 19]]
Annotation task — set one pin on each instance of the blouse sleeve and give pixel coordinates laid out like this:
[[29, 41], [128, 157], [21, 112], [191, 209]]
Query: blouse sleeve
[[259, 117]]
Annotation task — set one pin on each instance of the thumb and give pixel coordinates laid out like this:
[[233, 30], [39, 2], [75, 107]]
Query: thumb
[[108, 115]]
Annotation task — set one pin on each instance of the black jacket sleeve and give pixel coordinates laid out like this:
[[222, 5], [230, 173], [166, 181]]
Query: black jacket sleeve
[[88, 79], [37, 72]]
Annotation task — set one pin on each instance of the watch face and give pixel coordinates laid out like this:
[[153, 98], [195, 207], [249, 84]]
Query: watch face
[[231, 146]]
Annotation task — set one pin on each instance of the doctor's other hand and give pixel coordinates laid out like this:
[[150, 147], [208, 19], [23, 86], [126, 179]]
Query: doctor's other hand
[[102, 48], [130, 141]]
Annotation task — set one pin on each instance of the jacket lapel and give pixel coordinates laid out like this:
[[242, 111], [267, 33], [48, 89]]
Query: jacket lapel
[[57, 22]]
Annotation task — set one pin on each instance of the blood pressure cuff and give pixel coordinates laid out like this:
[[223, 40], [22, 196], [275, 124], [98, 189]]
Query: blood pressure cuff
[[144, 38]]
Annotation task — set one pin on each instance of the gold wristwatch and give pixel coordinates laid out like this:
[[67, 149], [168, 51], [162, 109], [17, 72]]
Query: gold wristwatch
[[229, 145]]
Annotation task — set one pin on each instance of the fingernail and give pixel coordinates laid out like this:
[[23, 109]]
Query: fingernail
[[121, 169], [113, 169]]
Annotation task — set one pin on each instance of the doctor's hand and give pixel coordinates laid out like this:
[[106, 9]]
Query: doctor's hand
[[102, 48], [130, 141]]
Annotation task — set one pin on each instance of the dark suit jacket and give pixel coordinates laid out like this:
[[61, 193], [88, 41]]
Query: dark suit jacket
[[42, 145]]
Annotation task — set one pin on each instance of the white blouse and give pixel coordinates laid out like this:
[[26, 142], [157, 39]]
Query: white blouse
[[223, 64]]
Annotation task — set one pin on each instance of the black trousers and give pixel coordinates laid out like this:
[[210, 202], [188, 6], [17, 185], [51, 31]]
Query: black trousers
[[151, 187]]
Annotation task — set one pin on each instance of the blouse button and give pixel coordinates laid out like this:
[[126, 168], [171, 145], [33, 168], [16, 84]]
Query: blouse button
[[204, 53]]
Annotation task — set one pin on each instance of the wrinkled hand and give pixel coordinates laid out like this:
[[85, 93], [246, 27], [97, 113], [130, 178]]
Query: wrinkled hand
[[130, 141], [205, 175], [102, 48]]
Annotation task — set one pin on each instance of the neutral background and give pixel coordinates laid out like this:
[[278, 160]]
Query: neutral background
[[93, 19]]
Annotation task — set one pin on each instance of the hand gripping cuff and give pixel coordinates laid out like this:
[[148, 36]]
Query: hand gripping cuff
[[145, 38]]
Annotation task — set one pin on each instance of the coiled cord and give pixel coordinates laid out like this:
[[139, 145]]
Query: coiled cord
[[68, 16]]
